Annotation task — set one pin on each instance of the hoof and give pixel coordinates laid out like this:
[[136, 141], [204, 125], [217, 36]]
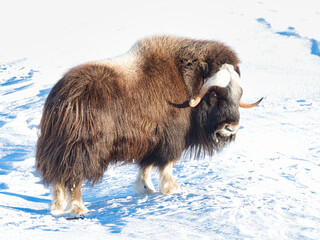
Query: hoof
[[78, 210], [170, 188], [58, 208], [142, 188], [57, 212]]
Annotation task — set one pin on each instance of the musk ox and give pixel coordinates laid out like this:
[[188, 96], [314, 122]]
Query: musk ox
[[166, 95]]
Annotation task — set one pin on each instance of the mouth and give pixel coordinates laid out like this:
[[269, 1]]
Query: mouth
[[221, 140], [225, 134]]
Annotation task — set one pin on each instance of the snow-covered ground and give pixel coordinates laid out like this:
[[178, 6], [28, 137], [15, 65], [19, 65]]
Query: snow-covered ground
[[266, 185]]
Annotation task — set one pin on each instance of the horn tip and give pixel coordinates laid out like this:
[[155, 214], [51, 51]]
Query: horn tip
[[261, 99], [245, 105]]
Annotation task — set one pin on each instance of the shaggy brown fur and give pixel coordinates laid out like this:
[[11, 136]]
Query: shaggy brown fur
[[133, 108]]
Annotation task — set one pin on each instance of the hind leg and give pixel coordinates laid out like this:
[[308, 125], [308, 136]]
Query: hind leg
[[76, 204], [143, 183], [59, 200], [166, 181]]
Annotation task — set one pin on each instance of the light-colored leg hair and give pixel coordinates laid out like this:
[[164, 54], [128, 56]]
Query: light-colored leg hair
[[166, 181], [76, 204], [59, 200], [143, 183]]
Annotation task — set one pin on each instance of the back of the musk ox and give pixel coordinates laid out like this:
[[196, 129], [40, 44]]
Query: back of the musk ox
[[164, 96]]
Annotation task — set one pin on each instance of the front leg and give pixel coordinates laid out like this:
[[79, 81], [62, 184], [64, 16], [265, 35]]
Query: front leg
[[143, 183], [166, 181]]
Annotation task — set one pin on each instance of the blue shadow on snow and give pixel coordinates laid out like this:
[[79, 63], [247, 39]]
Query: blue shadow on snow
[[6, 116], [15, 80], [315, 47], [29, 210], [30, 199], [291, 33], [3, 186], [44, 93], [27, 198], [18, 154], [264, 22]]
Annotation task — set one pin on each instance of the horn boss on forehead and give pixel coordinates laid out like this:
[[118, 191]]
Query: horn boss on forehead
[[221, 79]]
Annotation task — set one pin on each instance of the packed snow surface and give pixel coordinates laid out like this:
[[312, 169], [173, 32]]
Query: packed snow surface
[[266, 185]]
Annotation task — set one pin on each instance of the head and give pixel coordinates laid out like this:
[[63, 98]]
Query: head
[[216, 108]]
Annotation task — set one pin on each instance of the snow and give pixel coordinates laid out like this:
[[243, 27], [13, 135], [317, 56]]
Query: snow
[[266, 185]]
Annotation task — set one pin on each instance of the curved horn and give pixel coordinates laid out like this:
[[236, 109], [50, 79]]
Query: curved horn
[[246, 105], [220, 79]]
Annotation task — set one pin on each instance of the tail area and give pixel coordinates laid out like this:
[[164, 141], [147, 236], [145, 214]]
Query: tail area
[[72, 146]]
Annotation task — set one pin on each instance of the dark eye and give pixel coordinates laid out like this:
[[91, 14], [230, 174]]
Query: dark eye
[[213, 94], [213, 98]]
